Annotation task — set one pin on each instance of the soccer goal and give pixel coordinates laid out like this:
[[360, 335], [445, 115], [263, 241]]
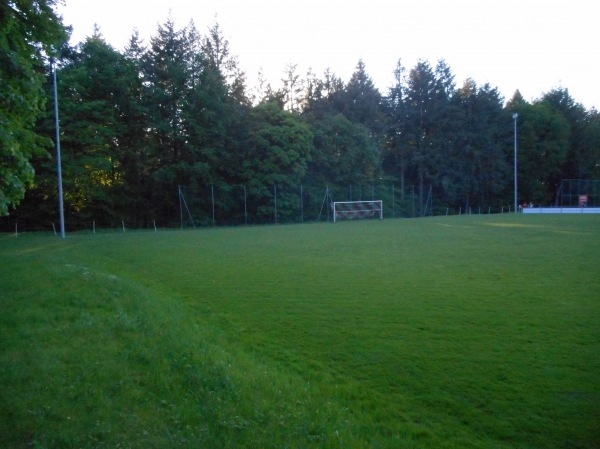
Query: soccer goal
[[355, 210]]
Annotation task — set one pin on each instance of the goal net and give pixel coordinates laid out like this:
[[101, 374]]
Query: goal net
[[355, 210]]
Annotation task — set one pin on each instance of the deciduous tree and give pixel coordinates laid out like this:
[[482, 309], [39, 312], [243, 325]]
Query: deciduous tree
[[30, 32]]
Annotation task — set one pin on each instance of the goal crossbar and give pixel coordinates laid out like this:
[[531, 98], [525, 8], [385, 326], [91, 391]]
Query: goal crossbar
[[353, 210]]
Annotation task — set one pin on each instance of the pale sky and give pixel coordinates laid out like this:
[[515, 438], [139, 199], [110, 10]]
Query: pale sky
[[530, 45]]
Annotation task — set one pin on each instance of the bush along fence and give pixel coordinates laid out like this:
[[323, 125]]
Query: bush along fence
[[241, 205], [234, 205]]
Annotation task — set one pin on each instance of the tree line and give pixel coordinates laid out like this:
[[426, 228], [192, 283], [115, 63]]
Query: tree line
[[177, 111]]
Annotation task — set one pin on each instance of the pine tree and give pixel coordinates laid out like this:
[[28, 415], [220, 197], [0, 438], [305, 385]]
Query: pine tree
[[362, 101], [422, 112], [475, 169], [397, 149], [216, 50]]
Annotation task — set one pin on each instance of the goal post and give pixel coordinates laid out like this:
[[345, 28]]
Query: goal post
[[356, 210]]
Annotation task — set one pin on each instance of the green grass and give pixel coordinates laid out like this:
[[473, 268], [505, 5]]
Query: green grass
[[458, 332]]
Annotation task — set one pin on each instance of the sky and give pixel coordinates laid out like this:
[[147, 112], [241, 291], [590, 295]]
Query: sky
[[530, 45]]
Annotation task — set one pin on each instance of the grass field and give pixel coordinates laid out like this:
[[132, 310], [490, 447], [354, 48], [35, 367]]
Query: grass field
[[452, 332]]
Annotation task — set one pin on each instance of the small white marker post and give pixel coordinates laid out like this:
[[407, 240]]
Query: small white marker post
[[54, 228], [154, 221], [123, 224]]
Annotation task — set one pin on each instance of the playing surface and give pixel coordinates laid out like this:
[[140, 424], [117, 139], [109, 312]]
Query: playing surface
[[457, 332]]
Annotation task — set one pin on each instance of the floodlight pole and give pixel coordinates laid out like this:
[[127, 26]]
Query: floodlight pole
[[58, 161], [515, 116]]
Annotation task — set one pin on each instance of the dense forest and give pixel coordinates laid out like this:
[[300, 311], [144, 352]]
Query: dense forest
[[137, 125]]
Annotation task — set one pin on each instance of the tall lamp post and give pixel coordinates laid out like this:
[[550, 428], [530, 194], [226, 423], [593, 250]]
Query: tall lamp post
[[58, 161], [515, 116]]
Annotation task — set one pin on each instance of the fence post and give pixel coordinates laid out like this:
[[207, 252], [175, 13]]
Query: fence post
[[245, 207], [393, 201], [275, 194], [301, 205], [212, 196]]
